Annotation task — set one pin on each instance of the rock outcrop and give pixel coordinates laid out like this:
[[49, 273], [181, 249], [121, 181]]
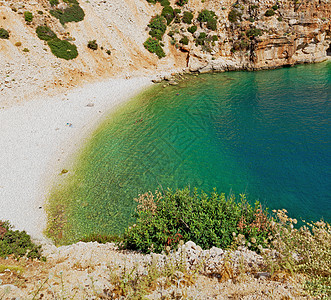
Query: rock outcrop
[[101, 271]]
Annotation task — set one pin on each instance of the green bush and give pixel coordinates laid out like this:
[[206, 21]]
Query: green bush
[[184, 40], [158, 26], [206, 15], [63, 49], [92, 45], [164, 2], [17, 243], [240, 45], [187, 17], [28, 16], [45, 33], [200, 40], [164, 220], [269, 13], [4, 34], [192, 29], [73, 13], [153, 46], [168, 13], [214, 38], [54, 2], [234, 16], [275, 7], [209, 17], [181, 2], [212, 24], [253, 32]]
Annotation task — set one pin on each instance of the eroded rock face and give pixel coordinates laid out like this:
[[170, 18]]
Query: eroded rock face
[[298, 32]]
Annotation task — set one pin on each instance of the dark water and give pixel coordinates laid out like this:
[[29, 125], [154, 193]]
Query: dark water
[[266, 134]]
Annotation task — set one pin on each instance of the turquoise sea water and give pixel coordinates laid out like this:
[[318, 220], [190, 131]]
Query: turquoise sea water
[[266, 134]]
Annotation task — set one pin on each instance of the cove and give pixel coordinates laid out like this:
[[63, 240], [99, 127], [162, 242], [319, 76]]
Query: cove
[[266, 134]]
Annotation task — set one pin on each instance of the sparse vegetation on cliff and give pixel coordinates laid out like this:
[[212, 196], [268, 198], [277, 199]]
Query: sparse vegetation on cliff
[[28, 16], [92, 45], [45, 33], [4, 34], [60, 48], [153, 46], [73, 13], [63, 49]]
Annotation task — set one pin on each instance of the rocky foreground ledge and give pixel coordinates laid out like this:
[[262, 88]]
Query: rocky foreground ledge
[[101, 271]]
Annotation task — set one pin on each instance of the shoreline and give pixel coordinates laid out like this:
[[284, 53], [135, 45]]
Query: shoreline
[[38, 136]]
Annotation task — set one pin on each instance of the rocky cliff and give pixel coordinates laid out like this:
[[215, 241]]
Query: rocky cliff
[[241, 35]]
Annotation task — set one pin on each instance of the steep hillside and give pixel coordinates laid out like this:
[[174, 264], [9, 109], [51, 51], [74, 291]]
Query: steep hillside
[[237, 35]]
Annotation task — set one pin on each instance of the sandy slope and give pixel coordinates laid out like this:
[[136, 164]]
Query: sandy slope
[[35, 138]]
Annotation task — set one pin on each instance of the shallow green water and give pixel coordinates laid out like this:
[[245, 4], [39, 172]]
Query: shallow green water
[[264, 133]]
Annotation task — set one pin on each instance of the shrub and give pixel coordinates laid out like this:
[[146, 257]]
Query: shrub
[[26, 50], [164, 2], [234, 16], [212, 24], [177, 19], [168, 13], [92, 45], [45, 33], [184, 40], [275, 7], [192, 29], [253, 32], [187, 17], [53, 2], [269, 13], [158, 26], [181, 2], [209, 17], [18, 44], [73, 13], [17, 243], [305, 250], [214, 38], [153, 46], [28, 16], [4, 34], [164, 220], [200, 40], [240, 45], [63, 49], [280, 19], [206, 15]]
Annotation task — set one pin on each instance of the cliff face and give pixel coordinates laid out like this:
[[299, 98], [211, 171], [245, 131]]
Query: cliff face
[[296, 31]]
